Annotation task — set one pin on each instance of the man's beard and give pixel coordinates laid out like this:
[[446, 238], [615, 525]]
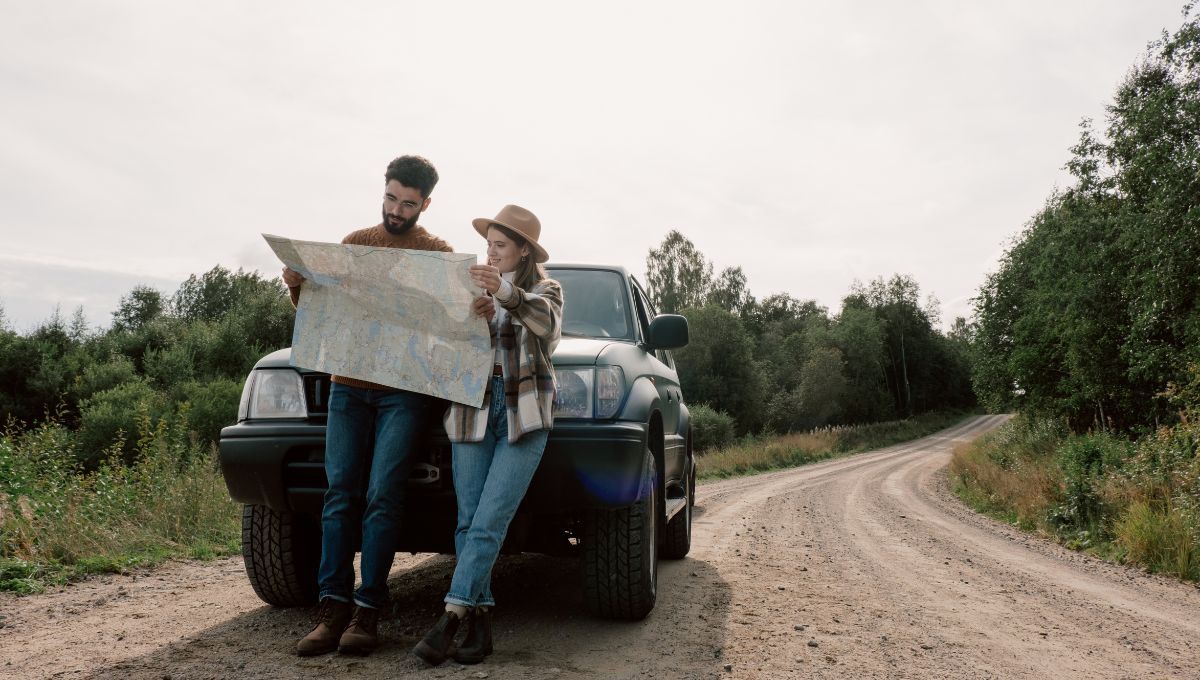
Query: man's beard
[[398, 228]]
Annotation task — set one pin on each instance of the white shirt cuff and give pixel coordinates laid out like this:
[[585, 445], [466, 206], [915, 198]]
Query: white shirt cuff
[[505, 291]]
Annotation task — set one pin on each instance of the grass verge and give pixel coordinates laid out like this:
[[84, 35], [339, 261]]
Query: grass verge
[[762, 454], [1130, 501], [59, 522]]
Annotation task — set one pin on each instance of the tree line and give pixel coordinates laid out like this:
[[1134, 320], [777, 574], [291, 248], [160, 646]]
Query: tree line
[[783, 364], [178, 358], [1094, 311], [778, 364]]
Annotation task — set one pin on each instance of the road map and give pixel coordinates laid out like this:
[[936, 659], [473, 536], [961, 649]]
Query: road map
[[395, 317]]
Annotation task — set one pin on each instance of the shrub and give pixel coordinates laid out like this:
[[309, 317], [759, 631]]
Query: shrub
[[113, 416], [710, 428], [99, 377], [1085, 461], [209, 406], [169, 367], [57, 522], [1163, 539]]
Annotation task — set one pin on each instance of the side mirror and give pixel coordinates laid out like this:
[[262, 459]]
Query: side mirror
[[668, 331]]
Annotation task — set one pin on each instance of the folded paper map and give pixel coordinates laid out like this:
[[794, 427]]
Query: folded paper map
[[396, 317]]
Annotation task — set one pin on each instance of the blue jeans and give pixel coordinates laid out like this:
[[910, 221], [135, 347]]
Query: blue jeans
[[490, 480], [368, 446]]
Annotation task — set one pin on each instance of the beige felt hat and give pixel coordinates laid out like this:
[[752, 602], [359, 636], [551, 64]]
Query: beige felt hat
[[519, 220]]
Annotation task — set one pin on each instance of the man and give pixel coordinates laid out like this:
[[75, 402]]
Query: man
[[369, 436]]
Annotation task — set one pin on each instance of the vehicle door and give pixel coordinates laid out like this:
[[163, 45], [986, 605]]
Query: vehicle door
[[666, 381]]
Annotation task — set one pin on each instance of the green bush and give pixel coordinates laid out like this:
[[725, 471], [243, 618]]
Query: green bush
[[169, 367], [58, 522], [710, 428], [113, 417], [1085, 462], [209, 406], [99, 377]]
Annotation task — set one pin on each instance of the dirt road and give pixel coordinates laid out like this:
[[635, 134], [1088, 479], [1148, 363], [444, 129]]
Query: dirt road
[[858, 567]]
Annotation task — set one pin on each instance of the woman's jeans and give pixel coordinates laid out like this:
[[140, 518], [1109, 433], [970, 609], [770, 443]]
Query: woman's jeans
[[368, 445], [490, 479]]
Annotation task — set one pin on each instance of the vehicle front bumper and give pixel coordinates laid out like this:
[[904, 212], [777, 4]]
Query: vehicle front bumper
[[587, 464]]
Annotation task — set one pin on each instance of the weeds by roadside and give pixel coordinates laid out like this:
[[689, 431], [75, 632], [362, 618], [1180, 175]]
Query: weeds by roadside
[[761, 454], [1131, 501], [58, 522]]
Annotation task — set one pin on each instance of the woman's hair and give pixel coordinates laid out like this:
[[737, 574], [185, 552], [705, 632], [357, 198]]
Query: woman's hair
[[528, 271]]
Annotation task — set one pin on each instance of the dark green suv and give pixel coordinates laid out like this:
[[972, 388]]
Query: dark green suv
[[616, 484]]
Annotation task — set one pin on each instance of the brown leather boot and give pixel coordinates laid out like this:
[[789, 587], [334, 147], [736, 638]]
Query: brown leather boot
[[362, 636], [332, 618]]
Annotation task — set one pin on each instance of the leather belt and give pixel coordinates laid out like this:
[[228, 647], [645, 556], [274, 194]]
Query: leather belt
[[497, 371]]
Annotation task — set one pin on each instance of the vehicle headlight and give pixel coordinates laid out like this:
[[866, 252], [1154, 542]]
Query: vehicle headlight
[[589, 392], [273, 394]]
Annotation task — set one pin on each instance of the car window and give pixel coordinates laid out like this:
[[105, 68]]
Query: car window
[[646, 309], [643, 316], [594, 303]]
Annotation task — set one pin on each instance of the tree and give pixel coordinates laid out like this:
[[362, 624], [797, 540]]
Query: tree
[[142, 305], [729, 291], [860, 336], [677, 275], [1095, 308], [717, 367]]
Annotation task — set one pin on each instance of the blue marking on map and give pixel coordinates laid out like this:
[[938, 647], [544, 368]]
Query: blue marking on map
[[472, 384], [419, 357]]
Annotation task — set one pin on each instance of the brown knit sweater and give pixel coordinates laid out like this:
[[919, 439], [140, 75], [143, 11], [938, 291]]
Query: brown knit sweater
[[416, 238]]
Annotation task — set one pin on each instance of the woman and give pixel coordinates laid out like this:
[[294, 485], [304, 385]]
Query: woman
[[497, 448]]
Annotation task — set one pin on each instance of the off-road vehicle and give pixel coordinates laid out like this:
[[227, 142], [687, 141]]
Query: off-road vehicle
[[615, 486]]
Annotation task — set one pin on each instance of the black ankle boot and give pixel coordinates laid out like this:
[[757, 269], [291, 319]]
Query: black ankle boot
[[479, 638], [439, 641]]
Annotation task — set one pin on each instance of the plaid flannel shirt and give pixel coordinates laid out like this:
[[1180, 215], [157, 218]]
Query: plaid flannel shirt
[[527, 337]]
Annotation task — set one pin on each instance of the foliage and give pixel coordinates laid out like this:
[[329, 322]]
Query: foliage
[[58, 522], [760, 454], [718, 367], [1095, 308], [678, 275], [109, 421], [785, 365], [1136, 501], [156, 359], [711, 429]]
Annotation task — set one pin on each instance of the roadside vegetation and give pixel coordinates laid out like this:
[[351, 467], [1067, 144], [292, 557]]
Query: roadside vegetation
[[1091, 330], [60, 520], [754, 454], [1136, 502], [107, 457]]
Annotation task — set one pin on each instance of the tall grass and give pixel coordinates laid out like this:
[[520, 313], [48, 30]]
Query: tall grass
[[1132, 501], [761, 454], [58, 522]]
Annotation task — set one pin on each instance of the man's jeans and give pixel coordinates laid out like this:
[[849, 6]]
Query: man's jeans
[[490, 479], [368, 444]]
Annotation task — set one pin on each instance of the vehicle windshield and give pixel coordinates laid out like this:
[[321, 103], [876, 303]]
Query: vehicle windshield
[[595, 304]]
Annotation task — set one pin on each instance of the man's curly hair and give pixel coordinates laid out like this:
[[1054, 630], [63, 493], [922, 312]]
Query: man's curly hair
[[414, 172]]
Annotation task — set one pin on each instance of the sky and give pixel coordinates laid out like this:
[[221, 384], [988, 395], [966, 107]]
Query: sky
[[811, 144]]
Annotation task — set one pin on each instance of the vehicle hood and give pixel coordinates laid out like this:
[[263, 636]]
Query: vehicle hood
[[571, 351]]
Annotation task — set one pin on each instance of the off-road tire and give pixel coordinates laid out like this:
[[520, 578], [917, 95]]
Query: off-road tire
[[678, 534], [620, 561], [282, 551]]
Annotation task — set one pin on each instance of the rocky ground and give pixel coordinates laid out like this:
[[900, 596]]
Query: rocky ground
[[859, 567]]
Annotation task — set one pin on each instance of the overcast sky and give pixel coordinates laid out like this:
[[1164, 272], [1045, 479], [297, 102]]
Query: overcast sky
[[813, 144]]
